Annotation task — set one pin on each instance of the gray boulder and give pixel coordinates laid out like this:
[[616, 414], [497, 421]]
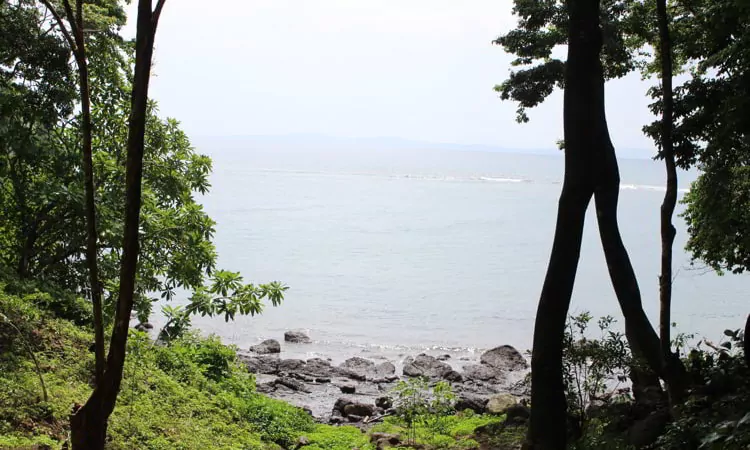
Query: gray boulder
[[358, 409], [292, 365], [504, 357], [297, 337], [473, 402], [266, 347], [483, 372], [268, 365], [319, 368], [426, 366], [291, 384], [357, 364], [341, 403], [497, 404], [382, 371]]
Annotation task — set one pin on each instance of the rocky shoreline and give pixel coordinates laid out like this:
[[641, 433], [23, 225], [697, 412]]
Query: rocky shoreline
[[357, 390]]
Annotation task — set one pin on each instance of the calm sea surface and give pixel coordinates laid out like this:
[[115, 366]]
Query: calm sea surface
[[393, 252]]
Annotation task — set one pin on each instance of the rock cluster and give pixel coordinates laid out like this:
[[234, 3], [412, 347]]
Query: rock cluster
[[317, 384]]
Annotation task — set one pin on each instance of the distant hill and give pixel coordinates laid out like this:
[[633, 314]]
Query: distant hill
[[322, 142]]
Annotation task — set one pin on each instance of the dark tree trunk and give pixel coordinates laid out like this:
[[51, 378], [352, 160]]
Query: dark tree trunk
[[675, 386], [746, 343], [91, 233], [76, 40], [548, 413], [89, 423]]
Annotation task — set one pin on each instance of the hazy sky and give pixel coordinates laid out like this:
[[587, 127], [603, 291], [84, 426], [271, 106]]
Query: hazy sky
[[414, 69]]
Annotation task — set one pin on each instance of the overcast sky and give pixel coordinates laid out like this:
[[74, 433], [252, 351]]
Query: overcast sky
[[413, 69]]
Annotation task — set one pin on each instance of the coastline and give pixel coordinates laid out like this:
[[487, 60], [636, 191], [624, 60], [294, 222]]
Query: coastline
[[298, 371]]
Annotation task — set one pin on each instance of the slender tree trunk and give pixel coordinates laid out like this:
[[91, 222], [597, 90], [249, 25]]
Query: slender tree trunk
[[91, 233], [89, 423], [89, 191], [77, 42], [675, 389], [746, 343], [548, 427]]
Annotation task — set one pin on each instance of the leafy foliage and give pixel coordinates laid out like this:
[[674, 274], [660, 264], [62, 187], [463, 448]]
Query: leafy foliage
[[41, 185], [190, 394], [543, 28], [594, 369]]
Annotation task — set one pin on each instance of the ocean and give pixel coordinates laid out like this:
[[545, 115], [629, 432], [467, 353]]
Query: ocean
[[393, 252]]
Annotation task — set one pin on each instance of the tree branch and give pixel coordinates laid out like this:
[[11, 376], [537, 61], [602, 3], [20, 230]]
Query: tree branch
[[156, 15], [61, 24]]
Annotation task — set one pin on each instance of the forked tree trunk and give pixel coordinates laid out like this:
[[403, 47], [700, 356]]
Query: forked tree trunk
[[548, 427], [89, 423], [590, 169]]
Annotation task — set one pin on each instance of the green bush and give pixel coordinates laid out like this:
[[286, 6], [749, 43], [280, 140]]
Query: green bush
[[337, 438]]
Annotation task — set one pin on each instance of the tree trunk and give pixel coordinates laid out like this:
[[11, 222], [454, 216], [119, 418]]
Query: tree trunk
[[675, 388], [91, 233], [77, 42], [746, 343], [88, 427], [548, 426], [89, 423]]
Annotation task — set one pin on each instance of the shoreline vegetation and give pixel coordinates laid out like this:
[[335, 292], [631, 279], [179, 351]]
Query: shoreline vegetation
[[199, 393]]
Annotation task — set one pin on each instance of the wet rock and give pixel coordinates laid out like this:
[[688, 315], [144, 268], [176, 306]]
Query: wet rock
[[383, 370], [292, 365], [498, 403], [297, 337], [267, 365], [504, 357], [291, 384], [322, 380], [357, 364], [268, 346], [346, 373], [354, 418], [348, 389], [445, 357], [482, 372], [517, 415], [319, 368], [340, 404], [473, 402], [384, 402], [453, 377], [266, 388], [302, 377], [358, 409], [426, 366]]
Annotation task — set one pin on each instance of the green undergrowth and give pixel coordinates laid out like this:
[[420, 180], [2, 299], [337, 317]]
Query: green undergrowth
[[192, 394], [452, 432]]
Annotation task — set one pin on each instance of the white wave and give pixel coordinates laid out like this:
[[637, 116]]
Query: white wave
[[502, 180], [647, 187]]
